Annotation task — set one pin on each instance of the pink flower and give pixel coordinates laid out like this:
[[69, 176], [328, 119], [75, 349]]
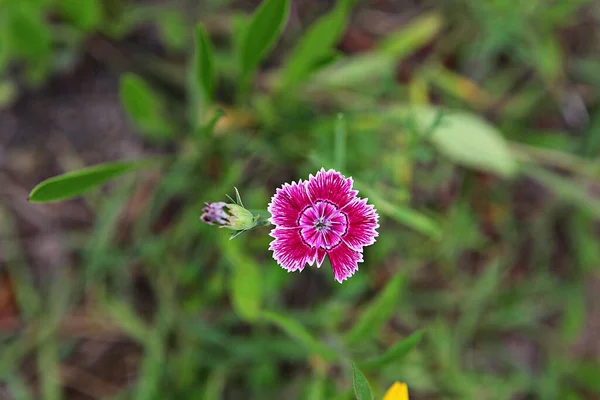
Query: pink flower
[[319, 217]]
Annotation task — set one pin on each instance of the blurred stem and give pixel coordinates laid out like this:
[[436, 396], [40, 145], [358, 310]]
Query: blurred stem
[[48, 370], [340, 142], [554, 158]]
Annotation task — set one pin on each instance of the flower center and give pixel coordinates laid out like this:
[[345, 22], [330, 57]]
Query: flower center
[[322, 225]]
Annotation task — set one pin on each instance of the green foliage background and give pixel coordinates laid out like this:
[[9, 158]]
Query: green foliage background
[[462, 297]]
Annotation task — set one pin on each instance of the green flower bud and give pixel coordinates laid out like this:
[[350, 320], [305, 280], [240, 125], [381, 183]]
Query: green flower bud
[[240, 219]]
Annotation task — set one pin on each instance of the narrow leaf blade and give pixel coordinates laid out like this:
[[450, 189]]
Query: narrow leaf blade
[[401, 214], [362, 388], [261, 34], [377, 312], [566, 190], [394, 353], [246, 293], [204, 64], [85, 14], [299, 333], [316, 44], [143, 106], [412, 36], [77, 183]]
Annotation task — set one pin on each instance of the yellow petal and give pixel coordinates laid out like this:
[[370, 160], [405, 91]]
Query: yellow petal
[[398, 391]]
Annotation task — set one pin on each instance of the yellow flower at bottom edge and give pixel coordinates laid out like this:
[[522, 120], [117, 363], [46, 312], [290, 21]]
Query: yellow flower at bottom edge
[[398, 391]]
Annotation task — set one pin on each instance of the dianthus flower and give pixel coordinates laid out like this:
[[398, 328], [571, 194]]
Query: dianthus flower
[[319, 217]]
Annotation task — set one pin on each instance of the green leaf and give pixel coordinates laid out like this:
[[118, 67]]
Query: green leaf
[[412, 36], [5, 51], [144, 106], [394, 353], [128, 320], [362, 388], [575, 313], [297, 332], [239, 24], [215, 384], [204, 64], [246, 289], [586, 375], [262, 33], [84, 14], [316, 44], [381, 62], [173, 29], [27, 35], [208, 129], [401, 214], [468, 140], [546, 57], [377, 312], [355, 70], [76, 183]]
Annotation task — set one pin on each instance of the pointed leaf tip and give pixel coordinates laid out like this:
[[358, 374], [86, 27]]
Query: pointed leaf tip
[[362, 388]]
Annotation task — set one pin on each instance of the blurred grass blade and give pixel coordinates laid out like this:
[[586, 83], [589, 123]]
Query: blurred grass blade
[[246, 289], [262, 32], [587, 69], [26, 34], [401, 214], [467, 140], [565, 189], [377, 312], [458, 86], [49, 369], [354, 70], [152, 367], [380, 62], [340, 143], [204, 64], [394, 353], [17, 387], [412, 36], [84, 14], [209, 128], [477, 299], [574, 315], [173, 29], [239, 24], [297, 332], [77, 183], [122, 314], [545, 55], [362, 388], [585, 374], [143, 106], [316, 44], [215, 384]]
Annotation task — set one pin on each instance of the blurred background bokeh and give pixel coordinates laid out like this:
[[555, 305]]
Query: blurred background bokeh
[[472, 125]]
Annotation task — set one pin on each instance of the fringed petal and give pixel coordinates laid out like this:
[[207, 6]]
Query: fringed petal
[[289, 251], [287, 203], [344, 262], [362, 224]]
